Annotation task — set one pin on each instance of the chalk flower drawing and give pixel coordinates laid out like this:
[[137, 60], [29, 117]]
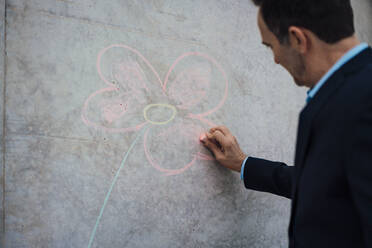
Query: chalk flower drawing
[[131, 97], [132, 103]]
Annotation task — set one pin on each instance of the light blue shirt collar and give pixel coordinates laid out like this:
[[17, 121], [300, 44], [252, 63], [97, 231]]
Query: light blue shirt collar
[[343, 60]]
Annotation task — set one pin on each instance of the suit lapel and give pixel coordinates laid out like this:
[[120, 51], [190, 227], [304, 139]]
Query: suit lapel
[[308, 114]]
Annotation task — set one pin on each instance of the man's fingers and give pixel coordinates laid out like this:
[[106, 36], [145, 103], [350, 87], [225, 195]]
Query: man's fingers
[[213, 148], [220, 138], [222, 129], [213, 139], [203, 137]]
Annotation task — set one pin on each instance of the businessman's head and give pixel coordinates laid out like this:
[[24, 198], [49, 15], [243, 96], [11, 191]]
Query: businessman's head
[[302, 32]]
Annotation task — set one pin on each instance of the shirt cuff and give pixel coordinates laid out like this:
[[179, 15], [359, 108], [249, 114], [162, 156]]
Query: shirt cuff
[[242, 169]]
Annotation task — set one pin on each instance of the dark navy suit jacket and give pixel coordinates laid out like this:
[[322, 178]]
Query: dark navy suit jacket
[[331, 182]]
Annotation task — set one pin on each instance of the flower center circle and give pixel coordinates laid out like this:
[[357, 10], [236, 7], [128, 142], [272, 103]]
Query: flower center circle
[[149, 108]]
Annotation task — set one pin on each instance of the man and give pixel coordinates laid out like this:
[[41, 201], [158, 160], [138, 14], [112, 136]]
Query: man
[[331, 182]]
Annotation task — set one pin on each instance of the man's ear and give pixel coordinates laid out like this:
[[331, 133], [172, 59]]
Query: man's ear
[[298, 39]]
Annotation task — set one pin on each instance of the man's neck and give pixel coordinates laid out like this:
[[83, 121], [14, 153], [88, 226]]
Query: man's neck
[[328, 55]]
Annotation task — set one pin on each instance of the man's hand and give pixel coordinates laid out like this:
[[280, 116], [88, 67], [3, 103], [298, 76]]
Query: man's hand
[[224, 147]]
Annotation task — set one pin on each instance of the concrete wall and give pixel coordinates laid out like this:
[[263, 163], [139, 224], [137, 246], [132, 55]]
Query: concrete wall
[[363, 19], [58, 170], [2, 104]]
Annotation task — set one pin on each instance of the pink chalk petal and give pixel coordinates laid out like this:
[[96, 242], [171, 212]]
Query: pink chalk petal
[[111, 111], [203, 156], [190, 87], [126, 68], [179, 141], [196, 95]]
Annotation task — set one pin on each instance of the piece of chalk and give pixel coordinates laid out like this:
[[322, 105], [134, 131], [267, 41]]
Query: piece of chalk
[[202, 137]]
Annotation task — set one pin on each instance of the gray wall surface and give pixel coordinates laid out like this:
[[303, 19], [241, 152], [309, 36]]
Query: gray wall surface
[[75, 176], [2, 140], [363, 19]]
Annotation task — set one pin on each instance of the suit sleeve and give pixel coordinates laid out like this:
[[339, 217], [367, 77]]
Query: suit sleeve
[[359, 173], [267, 176]]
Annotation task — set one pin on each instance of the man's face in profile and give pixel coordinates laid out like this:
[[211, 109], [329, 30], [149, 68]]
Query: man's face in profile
[[284, 54]]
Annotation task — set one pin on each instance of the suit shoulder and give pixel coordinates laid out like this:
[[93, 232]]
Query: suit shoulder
[[358, 84]]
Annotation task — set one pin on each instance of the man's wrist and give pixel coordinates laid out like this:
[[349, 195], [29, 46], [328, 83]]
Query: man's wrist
[[241, 161], [242, 168]]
